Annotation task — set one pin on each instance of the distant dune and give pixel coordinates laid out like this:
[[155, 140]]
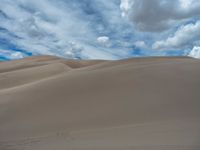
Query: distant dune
[[49, 103]]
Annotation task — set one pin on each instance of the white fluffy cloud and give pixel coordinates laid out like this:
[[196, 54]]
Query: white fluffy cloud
[[11, 55], [159, 15], [185, 37], [125, 7], [195, 52], [140, 44], [104, 41], [16, 55]]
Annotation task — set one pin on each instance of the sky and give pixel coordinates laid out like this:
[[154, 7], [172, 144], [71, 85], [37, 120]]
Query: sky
[[99, 29]]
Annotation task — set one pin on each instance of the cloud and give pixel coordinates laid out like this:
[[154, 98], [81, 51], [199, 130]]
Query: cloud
[[44, 27], [159, 15], [125, 7], [104, 41], [7, 54], [49, 27], [140, 44], [195, 52], [184, 37], [74, 51]]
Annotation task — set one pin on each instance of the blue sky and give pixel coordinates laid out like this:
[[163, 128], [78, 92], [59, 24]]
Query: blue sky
[[99, 29]]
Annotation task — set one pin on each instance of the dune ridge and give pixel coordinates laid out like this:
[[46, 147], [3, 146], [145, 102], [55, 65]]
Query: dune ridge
[[49, 103]]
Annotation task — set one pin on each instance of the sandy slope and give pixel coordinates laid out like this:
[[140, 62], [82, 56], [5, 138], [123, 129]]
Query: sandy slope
[[47, 103]]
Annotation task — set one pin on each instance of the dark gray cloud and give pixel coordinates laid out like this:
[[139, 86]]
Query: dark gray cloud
[[173, 24], [159, 15]]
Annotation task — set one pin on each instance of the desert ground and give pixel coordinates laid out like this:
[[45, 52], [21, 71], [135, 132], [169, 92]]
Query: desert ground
[[49, 103]]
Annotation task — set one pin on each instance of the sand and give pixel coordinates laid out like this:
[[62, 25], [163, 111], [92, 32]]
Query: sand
[[49, 103]]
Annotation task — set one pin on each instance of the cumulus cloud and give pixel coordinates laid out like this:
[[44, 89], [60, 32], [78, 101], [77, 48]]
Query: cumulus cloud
[[74, 51], [7, 54], [159, 15], [185, 36], [140, 44], [104, 41], [125, 7], [195, 52]]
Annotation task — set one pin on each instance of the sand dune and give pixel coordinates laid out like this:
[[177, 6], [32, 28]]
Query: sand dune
[[48, 103], [27, 63], [23, 76]]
